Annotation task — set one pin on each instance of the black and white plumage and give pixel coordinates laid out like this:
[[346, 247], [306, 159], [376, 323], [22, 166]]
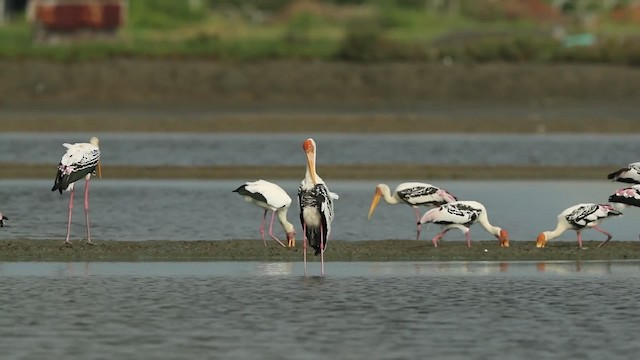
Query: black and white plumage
[[414, 194], [270, 197], [461, 215], [629, 174], [579, 217], [316, 206], [2, 219], [81, 160], [624, 197]]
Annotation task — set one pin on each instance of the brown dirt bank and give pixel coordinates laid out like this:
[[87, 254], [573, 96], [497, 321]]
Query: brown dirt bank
[[254, 250], [201, 95], [303, 83], [345, 172], [478, 119]]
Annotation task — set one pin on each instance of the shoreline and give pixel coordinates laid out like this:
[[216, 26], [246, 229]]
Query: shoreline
[[337, 250], [335, 172], [491, 118]]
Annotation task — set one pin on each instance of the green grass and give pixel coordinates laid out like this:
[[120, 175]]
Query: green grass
[[379, 30]]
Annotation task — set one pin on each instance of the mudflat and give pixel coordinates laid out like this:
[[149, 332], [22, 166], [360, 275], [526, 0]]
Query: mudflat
[[364, 250]]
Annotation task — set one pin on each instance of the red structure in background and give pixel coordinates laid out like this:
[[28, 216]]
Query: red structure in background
[[75, 15]]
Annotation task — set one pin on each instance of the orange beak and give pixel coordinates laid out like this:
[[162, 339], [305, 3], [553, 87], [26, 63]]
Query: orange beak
[[504, 238], [541, 241], [374, 203]]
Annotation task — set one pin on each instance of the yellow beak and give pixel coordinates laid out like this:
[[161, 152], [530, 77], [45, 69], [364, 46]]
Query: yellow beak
[[374, 203], [312, 167]]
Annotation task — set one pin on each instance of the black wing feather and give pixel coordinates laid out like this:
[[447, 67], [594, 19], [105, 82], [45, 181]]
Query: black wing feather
[[242, 190]]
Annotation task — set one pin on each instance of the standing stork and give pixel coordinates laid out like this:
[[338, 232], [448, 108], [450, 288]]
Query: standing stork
[[577, 218], [270, 197], [461, 215], [628, 174], [80, 161], [2, 219], [316, 207], [414, 194]]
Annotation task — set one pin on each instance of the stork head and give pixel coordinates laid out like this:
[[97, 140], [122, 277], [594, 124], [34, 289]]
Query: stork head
[[96, 142], [541, 241], [291, 239], [309, 147], [503, 238]]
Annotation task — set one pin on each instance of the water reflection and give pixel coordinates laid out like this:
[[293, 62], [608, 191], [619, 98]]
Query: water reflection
[[334, 269]]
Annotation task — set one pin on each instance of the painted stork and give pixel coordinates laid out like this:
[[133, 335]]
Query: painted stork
[[577, 218], [80, 161], [270, 197], [316, 207], [2, 219], [461, 215], [629, 174], [414, 194], [625, 197]]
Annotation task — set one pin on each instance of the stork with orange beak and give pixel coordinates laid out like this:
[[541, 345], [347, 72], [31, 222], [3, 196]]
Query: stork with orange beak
[[80, 161], [414, 194], [579, 217], [461, 215], [316, 207]]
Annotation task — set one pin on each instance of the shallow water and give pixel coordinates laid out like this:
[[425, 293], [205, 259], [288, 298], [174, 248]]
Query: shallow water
[[204, 210], [443, 310], [285, 149]]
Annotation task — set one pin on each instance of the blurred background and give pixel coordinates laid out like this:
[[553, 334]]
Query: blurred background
[[387, 54], [393, 90]]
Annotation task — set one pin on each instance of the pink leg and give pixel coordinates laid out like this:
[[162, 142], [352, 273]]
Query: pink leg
[[264, 218], [273, 214], [69, 221], [304, 246], [468, 235], [604, 232], [419, 226], [86, 210], [438, 237], [579, 239]]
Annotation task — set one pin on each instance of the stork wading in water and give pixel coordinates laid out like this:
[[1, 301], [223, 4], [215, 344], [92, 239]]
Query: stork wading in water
[[270, 197], [579, 217], [316, 207], [629, 174], [461, 215], [2, 219], [414, 194], [80, 161]]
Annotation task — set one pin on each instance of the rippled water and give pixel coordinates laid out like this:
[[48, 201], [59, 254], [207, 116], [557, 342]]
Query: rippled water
[[284, 149], [202, 210], [555, 310]]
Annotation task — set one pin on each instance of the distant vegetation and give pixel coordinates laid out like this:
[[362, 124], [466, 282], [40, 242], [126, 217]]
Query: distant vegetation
[[468, 31]]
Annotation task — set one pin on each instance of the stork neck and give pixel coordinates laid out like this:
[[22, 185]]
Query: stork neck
[[386, 194], [282, 217], [484, 221], [555, 232]]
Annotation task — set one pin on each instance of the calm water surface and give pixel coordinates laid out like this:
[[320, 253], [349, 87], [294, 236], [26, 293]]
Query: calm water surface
[[199, 310], [284, 149], [204, 210]]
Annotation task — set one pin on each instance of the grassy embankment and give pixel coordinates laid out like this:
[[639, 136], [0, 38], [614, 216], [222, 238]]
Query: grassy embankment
[[361, 31]]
